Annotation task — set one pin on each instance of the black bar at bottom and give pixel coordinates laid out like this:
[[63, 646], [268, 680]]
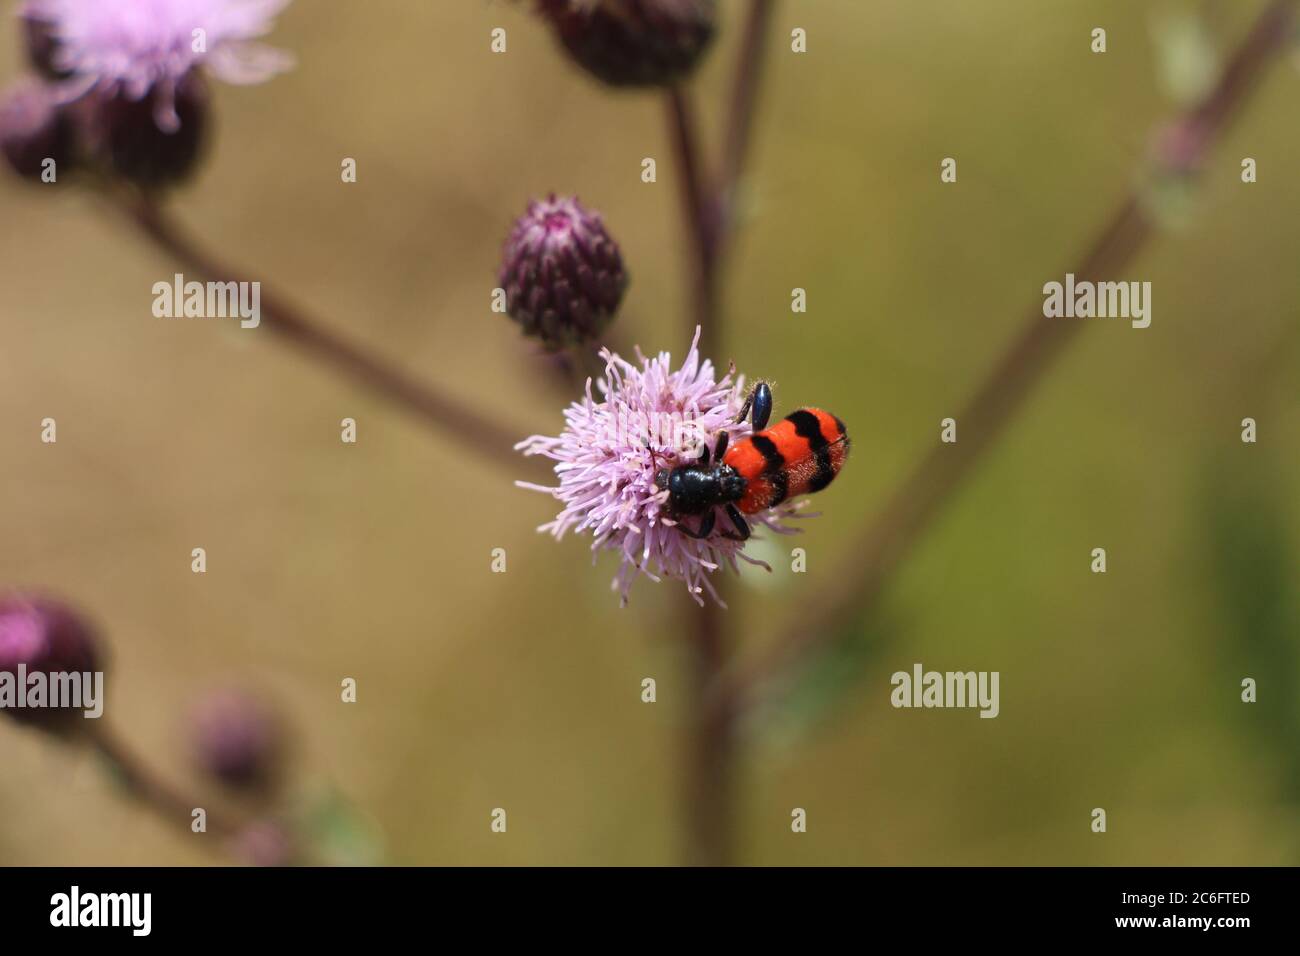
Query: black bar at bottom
[[331, 906]]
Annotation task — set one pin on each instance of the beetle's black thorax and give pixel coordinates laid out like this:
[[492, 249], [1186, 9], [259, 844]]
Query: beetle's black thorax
[[694, 489]]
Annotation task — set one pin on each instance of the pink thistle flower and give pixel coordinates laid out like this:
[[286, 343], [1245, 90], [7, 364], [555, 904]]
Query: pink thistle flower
[[648, 416], [135, 48]]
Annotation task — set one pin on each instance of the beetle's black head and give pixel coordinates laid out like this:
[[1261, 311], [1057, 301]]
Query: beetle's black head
[[694, 489]]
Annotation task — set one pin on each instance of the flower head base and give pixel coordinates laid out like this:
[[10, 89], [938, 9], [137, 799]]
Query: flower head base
[[136, 47], [648, 416], [124, 134], [562, 272], [634, 42]]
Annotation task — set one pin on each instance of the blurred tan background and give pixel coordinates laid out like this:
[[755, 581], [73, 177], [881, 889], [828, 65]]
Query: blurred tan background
[[522, 690]]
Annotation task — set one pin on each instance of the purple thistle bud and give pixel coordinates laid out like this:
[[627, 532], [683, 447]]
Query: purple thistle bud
[[237, 739], [648, 416], [45, 637], [562, 273], [634, 42], [34, 128]]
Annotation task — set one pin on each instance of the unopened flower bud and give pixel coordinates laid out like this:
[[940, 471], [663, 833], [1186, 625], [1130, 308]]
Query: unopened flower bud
[[237, 739], [634, 42], [43, 637], [34, 130], [562, 273]]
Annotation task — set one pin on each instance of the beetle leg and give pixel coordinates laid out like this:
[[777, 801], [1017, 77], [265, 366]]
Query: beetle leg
[[740, 524], [759, 401], [706, 526]]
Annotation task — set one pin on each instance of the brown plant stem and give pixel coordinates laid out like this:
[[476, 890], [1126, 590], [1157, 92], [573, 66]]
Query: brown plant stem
[[740, 123], [693, 191], [151, 790], [709, 205], [711, 747], [884, 542], [473, 430], [711, 742]]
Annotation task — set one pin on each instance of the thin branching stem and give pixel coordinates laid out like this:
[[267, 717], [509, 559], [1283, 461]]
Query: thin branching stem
[[709, 744], [151, 790], [469, 426], [745, 89], [709, 774], [710, 758], [693, 189], [881, 546]]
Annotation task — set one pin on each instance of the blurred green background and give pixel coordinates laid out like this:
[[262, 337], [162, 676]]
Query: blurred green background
[[522, 690]]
